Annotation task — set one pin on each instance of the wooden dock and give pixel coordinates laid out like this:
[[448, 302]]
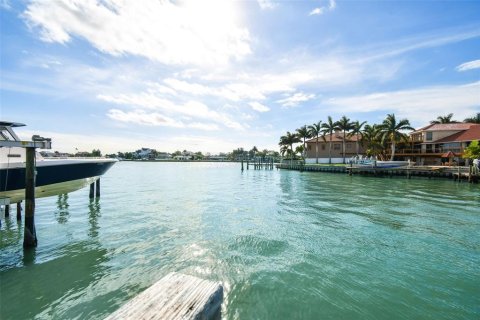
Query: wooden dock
[[312, 167], [176, 296], [456, 173]]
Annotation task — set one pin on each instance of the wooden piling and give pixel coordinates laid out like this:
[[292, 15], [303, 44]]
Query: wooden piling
[[92, 190], [30, 235], [97, 189], [7, 210], [242, 164]]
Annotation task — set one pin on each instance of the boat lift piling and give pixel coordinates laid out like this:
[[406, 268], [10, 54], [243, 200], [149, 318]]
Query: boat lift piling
[[94, 189], [29, 236]]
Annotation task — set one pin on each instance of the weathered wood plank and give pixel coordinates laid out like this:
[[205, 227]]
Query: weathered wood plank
[[176, 296]]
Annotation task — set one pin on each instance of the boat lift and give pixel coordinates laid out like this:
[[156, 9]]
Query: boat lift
[[30, 236]]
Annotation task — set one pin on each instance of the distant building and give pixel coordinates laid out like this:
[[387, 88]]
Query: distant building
[[145, 153], [163, 156], [82, 154], [218, 157], [435, 143], [182, 157]]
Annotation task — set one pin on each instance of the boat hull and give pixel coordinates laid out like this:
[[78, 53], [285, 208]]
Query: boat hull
[[53, 177], [382, 164], [49, 190]]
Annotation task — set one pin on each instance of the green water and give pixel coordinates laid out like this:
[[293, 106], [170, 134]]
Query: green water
[[285, 244]]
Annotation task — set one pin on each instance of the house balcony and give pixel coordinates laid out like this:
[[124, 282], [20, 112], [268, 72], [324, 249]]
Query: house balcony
[[428, 152]]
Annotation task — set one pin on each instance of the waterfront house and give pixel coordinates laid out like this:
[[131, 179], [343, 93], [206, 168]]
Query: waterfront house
[[437, 144], [163, 156], [145, 153], [337, 154]]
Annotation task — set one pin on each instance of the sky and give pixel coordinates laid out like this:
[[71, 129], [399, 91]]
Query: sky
[[213, 76]]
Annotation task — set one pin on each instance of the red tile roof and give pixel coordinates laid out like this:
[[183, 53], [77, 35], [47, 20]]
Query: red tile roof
[[446, 127], [473, 133]]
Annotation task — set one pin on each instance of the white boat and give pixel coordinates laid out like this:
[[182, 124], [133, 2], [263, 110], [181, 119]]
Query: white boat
[[54, 175], [373, 163]]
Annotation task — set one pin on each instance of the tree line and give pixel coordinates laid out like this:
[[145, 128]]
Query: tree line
[[377, 138]]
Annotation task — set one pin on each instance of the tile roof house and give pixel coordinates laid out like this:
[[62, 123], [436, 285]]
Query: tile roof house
[[337, 154], [430, 145]]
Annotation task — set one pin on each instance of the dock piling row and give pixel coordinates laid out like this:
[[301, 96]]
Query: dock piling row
[[457, 174], [260, 163]]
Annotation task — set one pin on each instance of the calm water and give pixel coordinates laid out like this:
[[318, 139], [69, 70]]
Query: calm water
[[286, 245]]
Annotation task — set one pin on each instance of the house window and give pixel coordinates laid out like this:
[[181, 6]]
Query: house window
[[309, 147], [336, 146], [429, 136], [349, 146], [323, 147]]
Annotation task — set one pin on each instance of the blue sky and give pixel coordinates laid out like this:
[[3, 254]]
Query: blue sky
[[212, 76]]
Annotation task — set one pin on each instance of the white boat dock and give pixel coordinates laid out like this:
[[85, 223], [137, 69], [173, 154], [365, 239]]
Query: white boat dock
[[176, 296]]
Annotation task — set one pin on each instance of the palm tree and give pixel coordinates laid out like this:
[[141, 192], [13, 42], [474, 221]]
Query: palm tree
[[391, 131], [315, 131], [371, 137], [345, 125], [283, 150], [252, 153], [300, 149], [474, 119], [329, 128], [303, 133], [444, 119], [288, 140], [357, 131]]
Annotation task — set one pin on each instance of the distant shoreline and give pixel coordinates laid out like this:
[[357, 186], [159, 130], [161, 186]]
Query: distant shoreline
[[171, 160]]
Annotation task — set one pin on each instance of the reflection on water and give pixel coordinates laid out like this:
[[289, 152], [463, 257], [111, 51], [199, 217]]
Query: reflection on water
[[93, 215], [62, 213], [29, 256]]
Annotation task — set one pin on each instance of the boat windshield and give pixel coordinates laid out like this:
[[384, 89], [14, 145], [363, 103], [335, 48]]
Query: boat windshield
[[7, 134]]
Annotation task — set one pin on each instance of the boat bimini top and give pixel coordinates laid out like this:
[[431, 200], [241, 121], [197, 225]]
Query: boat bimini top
[[6, 132]]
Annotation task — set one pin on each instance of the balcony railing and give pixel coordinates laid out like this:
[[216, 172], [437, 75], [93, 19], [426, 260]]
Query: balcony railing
[[429, 151]]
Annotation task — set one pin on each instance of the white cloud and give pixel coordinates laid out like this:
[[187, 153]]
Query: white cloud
[[258, 106], [317, 11], [296, 99], [321, 10], [475, 64], [266, 4], [419, 42], [191, 88], [150, 101], [143, 118], [189, 32], [420, 105]]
